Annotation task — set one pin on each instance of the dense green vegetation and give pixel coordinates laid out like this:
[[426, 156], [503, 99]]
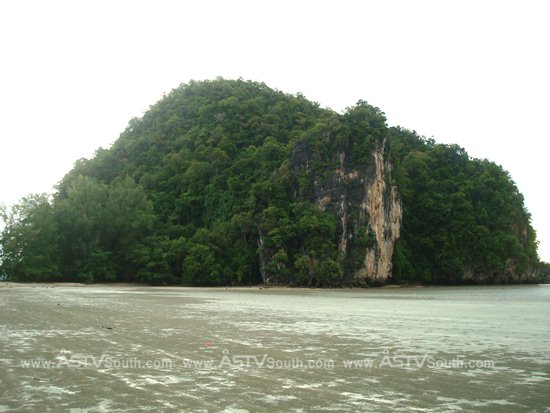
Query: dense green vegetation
[[460, 215], [218, 183]]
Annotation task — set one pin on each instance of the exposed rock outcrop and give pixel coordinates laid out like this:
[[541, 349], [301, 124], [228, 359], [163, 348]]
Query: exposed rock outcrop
[[368, 212], [384, 211], [510, 275], [368, 208]]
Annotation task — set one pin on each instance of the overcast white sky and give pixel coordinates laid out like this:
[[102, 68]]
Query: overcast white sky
[[476, 73]]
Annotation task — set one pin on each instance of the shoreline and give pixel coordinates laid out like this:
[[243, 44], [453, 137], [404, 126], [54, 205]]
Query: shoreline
[[258, 287]]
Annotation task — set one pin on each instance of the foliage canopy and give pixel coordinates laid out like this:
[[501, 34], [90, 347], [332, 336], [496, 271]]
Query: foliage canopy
[[191, 192]]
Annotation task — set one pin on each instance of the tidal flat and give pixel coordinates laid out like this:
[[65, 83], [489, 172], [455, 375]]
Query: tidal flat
[[125, 348]]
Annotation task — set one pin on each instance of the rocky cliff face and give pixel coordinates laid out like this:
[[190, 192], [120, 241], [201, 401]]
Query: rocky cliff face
[[367, 207], [510, 275], [369, 212], [382, 207]]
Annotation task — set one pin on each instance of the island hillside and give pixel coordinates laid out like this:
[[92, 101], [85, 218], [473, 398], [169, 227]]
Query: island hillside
[[229, 182]]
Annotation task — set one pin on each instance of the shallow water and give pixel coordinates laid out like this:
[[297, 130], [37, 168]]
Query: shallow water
[[126, 348]]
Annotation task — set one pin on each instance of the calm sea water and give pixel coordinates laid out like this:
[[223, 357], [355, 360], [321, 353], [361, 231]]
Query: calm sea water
[[133, 349]]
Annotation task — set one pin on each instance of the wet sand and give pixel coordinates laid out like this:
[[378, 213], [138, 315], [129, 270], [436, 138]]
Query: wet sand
[[131, 348]]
